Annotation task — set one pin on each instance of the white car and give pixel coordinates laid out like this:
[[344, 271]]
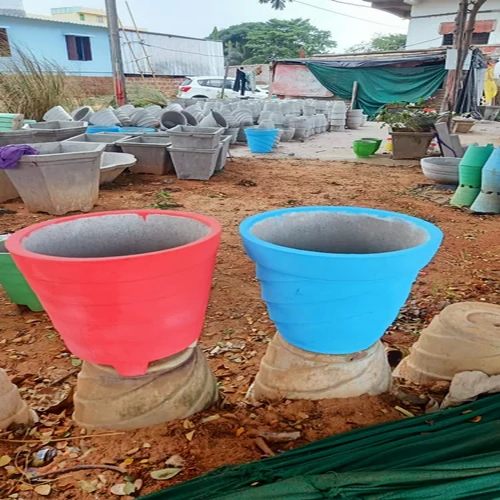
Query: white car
[[211, 87]]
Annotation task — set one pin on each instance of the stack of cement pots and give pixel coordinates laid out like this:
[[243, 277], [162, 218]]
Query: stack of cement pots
[[197, 152], [139, 282], [354, 268], [338, 116], [355, 119]]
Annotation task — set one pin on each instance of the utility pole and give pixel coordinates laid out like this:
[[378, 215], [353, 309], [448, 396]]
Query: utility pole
[[116, 53]]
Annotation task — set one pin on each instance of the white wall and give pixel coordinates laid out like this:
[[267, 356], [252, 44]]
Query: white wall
[[422, 31]]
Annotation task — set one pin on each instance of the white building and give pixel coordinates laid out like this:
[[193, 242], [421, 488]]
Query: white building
[[432, 23]]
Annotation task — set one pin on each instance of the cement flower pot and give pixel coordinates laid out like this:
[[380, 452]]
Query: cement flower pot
[[195, 137], [16, 137], [151, 153], [172, 118], [57, 113], [113, 164], [7, 190], [137, 280], [195, 164], [465, 336], [62, 178], [214, 119], [109, 140], [13, 282], [104, 118], [335, 278], [409, 145], [441, 170], [83, 113], [56, 130]]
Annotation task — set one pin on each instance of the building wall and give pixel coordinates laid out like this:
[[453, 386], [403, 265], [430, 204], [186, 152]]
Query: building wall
[[46, 39], [427, 16]]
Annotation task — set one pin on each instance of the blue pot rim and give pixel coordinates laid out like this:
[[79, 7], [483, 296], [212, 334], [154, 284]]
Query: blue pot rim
[[435, 235]]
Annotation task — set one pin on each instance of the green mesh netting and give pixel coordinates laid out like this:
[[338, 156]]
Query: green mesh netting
[[450, 454]]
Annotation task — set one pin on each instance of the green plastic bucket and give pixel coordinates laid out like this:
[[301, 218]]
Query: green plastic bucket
[[364, 148], [378, 142], [13, 282]]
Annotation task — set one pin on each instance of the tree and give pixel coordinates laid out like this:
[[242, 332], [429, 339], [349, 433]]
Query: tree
[[275, 39], [381, 43]]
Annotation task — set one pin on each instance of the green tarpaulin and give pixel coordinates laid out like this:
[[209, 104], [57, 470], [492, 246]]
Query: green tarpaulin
[[380, 85], [449, 454]]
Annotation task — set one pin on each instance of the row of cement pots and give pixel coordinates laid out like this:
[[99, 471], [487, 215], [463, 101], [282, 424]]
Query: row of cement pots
[[98, 262]]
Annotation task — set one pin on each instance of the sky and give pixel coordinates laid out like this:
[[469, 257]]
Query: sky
[[197, 18]]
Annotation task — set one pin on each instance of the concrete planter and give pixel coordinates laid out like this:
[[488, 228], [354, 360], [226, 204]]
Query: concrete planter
[[109, 140], [462, 125], [410, 145], [335, 278], [172, 118], [195, 137], [463, 337], [82, 114], [137, 280], [13, 410], [214, 119], [7, 189], [62, 178], [13, 282], [223, 153], [173, 388], [194, 164], [490, 113], [16, 137], [113, 164], [104, 118], [56, 130], [151, 153], [441, 170], [287, 372]]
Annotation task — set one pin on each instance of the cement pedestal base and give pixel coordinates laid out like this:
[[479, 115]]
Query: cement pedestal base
[[463, 337], [13, 410], [175, 387], [287, 372]]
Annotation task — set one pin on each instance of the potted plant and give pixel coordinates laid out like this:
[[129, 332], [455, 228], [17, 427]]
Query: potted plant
[[412, 128]]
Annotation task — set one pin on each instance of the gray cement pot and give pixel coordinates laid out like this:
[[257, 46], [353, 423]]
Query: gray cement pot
[[441, 170], [151, 153], [16, 137], [57, 113], [62, 178], [82, 114], [196, 137], [223, 153], [113, 164], [194, 164], [56, 130], [109, 140], [7, 189]]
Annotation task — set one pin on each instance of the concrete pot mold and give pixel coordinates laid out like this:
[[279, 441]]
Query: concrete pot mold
[[82, 114], [442, 170], [113, 164], [335, 278], [469, 173], [137, 280], [62, 178], [465, 336], [13, 282], [57, 113]]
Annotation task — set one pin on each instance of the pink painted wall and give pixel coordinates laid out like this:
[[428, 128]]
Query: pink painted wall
[[295, 80]]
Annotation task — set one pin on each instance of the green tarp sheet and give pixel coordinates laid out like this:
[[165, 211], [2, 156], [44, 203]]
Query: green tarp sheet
[[449, 454], [381, 85]]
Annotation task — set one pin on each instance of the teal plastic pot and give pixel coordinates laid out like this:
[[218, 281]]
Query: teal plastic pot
[[13, 282], [477, 156], [364, 148], [377, 141]]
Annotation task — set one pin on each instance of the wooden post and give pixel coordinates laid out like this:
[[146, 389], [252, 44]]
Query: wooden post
[[355, 87]]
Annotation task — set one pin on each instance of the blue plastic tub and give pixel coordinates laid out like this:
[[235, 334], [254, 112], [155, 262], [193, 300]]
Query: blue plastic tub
[[94, 129], [261, 140], [335, 278]]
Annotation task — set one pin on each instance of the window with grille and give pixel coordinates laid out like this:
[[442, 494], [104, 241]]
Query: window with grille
[[78, 48], [477, 39], [4, 43]]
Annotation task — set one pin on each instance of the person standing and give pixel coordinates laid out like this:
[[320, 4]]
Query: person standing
[[240, 81]]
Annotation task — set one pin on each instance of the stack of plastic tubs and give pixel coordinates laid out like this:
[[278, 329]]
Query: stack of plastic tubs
[[195, 151]]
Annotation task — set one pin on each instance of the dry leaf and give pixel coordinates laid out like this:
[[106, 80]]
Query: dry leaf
[[138, 484], [211, 418], [127, 462], [146, 445], [240, 431], [122, 489], [76, 362], [132, 451], [187, 424], [43, 489], [88, 486], [189, 435], [164, 474], [175, 461], [5, 460]]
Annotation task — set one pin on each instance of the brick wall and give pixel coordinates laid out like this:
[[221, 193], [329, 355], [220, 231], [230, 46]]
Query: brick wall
[[92, 86]]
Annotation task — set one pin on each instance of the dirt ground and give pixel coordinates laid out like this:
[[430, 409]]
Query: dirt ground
[[466, 268]]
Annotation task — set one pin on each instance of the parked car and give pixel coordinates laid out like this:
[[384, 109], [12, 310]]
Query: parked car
[[211, 87]]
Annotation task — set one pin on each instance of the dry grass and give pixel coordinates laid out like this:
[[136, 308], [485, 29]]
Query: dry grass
[[32, 86]]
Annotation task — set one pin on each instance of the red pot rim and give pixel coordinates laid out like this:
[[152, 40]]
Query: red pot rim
[[14, 243]]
